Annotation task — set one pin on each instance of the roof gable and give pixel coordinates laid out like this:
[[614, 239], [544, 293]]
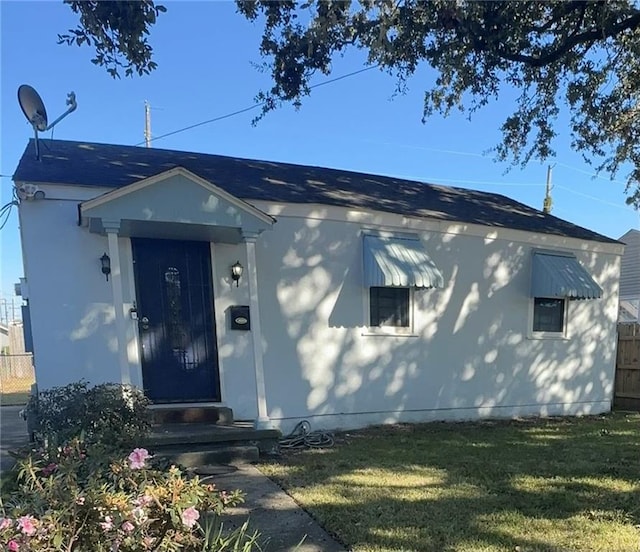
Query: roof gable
[[155, 198], [177, 197]]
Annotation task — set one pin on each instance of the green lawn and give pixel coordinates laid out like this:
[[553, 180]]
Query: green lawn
[[14, 399], [555, 485], [15, 391]]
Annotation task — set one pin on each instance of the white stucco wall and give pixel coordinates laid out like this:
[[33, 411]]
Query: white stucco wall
[[470, 353], [72, 314], [235, 353]]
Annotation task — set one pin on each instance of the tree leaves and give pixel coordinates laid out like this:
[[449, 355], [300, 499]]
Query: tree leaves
[[579, 56], [582, 58], [117, 30]]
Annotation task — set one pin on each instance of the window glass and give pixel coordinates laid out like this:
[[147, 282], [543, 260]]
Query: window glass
[[389, 306], [175, 326], [548, 315]]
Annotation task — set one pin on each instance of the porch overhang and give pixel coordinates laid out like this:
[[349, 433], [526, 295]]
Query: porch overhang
[[176, 204]]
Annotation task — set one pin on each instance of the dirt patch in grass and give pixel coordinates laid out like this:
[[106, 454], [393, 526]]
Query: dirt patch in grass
[[552, 485]]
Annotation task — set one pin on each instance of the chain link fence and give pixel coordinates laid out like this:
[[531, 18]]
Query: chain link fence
[[16, 378]]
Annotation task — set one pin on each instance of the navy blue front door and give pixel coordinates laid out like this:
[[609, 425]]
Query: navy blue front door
[[176, 320]]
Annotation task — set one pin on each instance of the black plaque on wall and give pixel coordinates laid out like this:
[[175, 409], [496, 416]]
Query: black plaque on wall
[[240, 318]]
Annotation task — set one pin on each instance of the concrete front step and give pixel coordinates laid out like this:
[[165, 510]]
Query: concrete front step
[[237, 440], [167, 414], [237, 454]]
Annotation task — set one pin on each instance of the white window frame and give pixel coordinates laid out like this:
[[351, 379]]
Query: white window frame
[[406, 331], [563, 335]]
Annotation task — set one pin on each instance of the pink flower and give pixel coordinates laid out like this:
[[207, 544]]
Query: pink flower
[[5, 523], [127, 527], [80, 500], [138, 457], [107, 524], [48, 470], [143, 500], [26, 525], [13, 546], [190, 516]]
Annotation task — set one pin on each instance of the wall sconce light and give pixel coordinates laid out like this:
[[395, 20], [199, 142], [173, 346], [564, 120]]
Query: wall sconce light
[[236, 272], [106, 265]]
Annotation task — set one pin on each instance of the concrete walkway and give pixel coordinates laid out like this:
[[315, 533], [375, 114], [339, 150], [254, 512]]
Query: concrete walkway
[[13, 434], [282, 524]]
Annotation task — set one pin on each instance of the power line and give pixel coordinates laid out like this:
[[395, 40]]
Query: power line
[[255, 105], [485, 156], [203, 123], [5, 213], [591, 174], [426, 148], [594, 198]]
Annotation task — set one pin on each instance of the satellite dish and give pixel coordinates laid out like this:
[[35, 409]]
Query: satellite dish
[[35, 112], [33, 107]]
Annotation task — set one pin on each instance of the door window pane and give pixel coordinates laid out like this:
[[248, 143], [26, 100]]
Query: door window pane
[[176, 331]]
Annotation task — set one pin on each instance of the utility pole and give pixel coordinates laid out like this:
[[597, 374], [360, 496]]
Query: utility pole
[[547, 204], [147, 124]]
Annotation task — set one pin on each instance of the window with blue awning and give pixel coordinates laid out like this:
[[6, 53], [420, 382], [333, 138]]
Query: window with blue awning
[[558, 274]]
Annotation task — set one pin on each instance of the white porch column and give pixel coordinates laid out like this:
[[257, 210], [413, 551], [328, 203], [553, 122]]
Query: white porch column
[[263, 421], [112, 228]]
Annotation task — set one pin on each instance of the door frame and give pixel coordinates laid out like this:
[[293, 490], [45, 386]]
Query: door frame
[[219, 323], [135, 350]]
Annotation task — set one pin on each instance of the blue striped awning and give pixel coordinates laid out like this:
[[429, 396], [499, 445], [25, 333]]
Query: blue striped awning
[[557, 274], [399, 262]]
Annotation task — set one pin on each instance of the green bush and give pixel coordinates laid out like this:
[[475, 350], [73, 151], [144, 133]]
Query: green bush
[[79, 492], [77, 498], [113, 414]]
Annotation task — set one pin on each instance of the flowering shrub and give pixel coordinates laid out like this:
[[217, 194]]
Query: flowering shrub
[[81, 499], [114, 414]]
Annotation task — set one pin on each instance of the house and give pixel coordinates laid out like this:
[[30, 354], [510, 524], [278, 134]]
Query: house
[[290, 292], [630, 278]]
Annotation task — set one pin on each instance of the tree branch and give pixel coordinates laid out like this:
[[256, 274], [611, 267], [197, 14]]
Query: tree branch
[[585, 37]]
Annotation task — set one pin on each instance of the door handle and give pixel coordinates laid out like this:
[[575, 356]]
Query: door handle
[[144, 323]]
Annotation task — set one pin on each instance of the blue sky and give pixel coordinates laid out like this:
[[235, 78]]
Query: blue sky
[[207, 56]]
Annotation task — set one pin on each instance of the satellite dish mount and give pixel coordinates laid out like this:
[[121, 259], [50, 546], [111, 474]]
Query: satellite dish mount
[[35, 112]]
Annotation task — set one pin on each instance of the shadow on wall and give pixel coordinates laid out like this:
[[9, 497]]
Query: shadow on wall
[[469, 350]]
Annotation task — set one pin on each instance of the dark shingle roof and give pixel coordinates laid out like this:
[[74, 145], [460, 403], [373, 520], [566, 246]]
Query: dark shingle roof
[[90, 164]]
